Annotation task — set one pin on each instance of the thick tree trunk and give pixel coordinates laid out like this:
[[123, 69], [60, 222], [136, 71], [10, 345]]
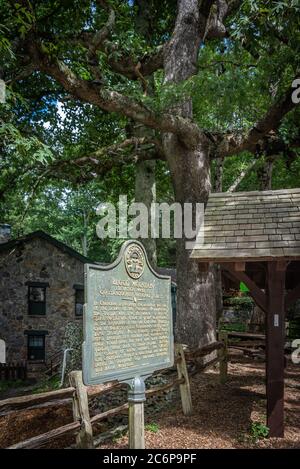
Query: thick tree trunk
[[196, 306], [266, 174], [190, 172], [196, 303], [257, 320], [145, 183], [218, 187], [145, 191], [219, 175], [218, 291]]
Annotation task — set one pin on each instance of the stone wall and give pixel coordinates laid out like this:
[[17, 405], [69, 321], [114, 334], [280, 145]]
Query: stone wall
[[36, 260]]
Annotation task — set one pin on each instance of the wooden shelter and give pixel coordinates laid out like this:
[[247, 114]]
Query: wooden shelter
[[255, 236]]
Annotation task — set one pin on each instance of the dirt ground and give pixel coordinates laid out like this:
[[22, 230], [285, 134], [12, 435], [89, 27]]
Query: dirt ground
[[221, 419]]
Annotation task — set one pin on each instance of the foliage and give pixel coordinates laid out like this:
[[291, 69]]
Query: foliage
[[285, 174], [234, 327], [13, 384], [152, 427], [294, 329], [41, 126], [242, 303], [47, 384], [119, 433], [258, 431]]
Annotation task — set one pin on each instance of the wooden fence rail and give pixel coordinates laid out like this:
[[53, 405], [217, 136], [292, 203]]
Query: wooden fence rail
[[13, 371], [64, 395], [40, 440], [82, 424]]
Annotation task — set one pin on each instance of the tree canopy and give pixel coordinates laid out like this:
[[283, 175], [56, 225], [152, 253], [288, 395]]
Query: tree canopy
[[62, 76]]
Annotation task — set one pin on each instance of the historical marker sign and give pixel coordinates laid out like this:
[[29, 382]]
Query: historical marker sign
[[128, 329]]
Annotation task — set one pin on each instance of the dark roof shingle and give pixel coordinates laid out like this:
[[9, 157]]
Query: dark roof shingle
[[42, 235], [251, 225]]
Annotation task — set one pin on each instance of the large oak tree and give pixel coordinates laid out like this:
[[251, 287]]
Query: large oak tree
[[97, 54]]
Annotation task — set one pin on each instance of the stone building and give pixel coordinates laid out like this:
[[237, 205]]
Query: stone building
[[41, 291]]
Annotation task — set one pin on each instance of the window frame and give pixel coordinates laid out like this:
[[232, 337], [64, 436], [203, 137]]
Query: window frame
[[78, 288], [42, 304], [43, 348]]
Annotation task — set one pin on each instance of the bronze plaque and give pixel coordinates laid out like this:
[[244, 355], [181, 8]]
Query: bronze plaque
[[128, 327]]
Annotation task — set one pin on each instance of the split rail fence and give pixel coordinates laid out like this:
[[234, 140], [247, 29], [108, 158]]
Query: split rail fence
[[13, 371], [188, 363]]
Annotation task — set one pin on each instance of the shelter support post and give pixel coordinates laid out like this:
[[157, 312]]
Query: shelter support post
[[223, 356], [273, 303], [275, 335]]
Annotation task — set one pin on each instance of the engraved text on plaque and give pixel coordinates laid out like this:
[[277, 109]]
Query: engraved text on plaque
[[127, 319]]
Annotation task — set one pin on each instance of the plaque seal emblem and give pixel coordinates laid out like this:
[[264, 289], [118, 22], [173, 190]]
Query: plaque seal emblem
[[134, 261]]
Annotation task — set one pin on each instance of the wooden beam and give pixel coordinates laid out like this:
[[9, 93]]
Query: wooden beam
[[203, 266], [239, 266], [257, 294], [136, 425], [292, 296], [40, 440], [192, 354], [223, 356], [84, 438], [185, 391], [230, 276], [21, 402], [275, 335], [246, 335], [281, 266]]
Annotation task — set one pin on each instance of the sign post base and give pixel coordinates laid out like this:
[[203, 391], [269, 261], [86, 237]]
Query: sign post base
[[136, 399]]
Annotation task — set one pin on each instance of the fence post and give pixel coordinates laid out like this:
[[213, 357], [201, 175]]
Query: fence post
[[185, 391], [223, 356], [84, 438]]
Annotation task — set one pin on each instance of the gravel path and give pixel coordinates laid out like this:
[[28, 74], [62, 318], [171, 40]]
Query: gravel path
[[221, 419], [223, 413]]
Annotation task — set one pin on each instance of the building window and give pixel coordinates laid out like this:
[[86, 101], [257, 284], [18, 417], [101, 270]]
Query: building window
[[36, 347], [37, 301], [37, 298], [79, 300]]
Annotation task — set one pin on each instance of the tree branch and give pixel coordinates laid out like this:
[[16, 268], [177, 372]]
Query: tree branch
[[112, 101], [216, 27], [241, 176], [100, 162], [125, 64], [149, 63], [138, 144], [24, 73], [32, 193], [153, 61], [233, 144], [101, 35]]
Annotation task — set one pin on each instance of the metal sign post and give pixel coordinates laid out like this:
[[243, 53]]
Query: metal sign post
[[136, 399], [128, 329]]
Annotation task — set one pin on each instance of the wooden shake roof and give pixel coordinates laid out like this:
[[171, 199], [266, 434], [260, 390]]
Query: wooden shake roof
[[251, 226]]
